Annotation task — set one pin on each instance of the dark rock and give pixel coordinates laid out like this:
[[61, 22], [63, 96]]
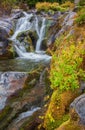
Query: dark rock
[[82, 86], [29, 39], [6, 27], [59, 27], [10, 82], [76, 8], [22, 100], [17, 13], [44, 44], [79, 106]]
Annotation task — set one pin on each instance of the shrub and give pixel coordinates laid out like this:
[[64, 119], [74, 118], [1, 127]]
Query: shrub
[[81, 17], [82, 2], [8, 4], [46, 6], [65, 67], [67, 4]]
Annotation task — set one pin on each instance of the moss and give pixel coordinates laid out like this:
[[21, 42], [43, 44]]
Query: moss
[[47, 6], [69, 125], [58, 108], [56, 123], [81, 19], [4, 113]]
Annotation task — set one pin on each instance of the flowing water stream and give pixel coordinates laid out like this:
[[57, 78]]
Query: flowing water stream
[[13, 73], [24, 24]]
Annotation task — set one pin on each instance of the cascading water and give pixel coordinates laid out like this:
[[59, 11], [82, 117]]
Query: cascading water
[[41, 35], [23, 24]]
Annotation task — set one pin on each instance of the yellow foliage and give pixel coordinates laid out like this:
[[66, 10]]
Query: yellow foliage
[[70, 125], [68, 4], [46, 6], [58, 106]]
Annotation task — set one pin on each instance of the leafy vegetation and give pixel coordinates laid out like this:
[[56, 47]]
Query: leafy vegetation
[[8, 4], [82, 3], [46, 6], [65, 67], [67, 4], [80, 20], [31, 3]]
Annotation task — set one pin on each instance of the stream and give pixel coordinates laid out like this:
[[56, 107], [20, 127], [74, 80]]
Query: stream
[[24, 76], [15, 72]]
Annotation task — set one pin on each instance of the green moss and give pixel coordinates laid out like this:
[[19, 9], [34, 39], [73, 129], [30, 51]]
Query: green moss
[[81, 3], [4, 113], [52, 124], [69, 125], [81, 19]]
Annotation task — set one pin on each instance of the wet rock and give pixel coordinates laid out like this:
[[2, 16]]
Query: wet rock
[[34, 121], [10, 82], [77, 115], [28, 39], [82, 86], [24, 100], [69, 19], [60, 27], [6, 28], [17, 13], [44, 44], [79, 106]]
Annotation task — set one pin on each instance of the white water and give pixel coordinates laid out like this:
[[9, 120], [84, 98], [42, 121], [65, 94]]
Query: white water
[[27, 114], [32, 56], [37, 26], [24, 24], [41, 35]]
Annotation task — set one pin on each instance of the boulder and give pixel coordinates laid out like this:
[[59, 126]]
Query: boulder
[[44, 44], [24, 95], [6, 28], [77, 115], [10, 82], [17, 13], [79, 106], [28, 39]]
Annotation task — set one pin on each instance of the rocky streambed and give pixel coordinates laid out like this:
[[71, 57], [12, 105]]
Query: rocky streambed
[[22, 94], [25, 37]]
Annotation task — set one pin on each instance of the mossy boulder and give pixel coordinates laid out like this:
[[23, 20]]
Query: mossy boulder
[[28, 39], [58, 108], [70, 125], [31, 94], [76, 120]]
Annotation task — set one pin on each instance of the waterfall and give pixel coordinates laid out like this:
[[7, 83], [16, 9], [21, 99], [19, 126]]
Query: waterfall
[[37, 26], [23, 24], [30, 22], [41, 35], [31, 55]]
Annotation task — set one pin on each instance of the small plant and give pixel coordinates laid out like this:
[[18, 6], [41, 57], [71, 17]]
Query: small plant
[[8, 4], [65, 67], [67, 4], [46, 6], [82, 3], [81, 19]]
